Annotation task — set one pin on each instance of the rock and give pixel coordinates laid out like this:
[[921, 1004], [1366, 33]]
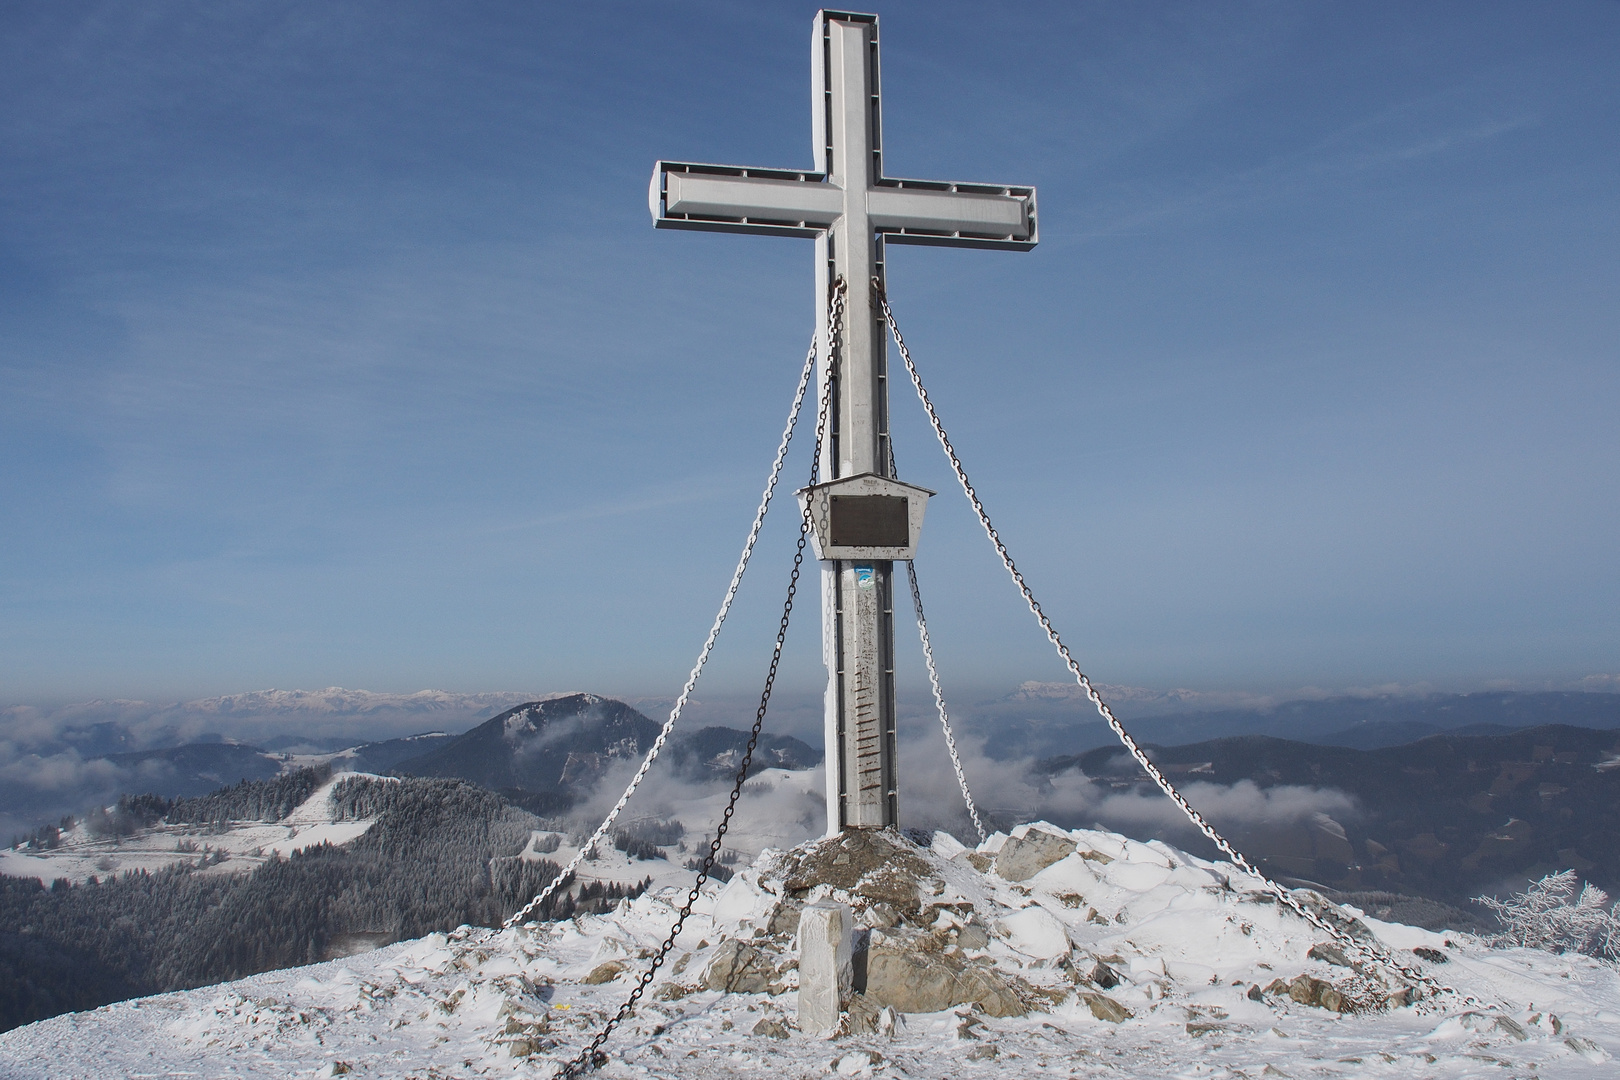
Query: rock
[[1587, 1049], [738, 968], [973, 936], [1489, 1023], [784, 917], [910, 980], [771, 1029], [1511, 1027], [873, 865], [1330, 954], [1102, 975], [604, 973], [857, 1063], [1433, 956], [1022, 858], [1332, 914], [1309, 990], [862, 1017], [985, 1052], [826, 968], [881, 916], [1106, 1008]]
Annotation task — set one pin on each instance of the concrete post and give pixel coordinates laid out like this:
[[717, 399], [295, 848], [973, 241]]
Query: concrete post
[[826, 968]]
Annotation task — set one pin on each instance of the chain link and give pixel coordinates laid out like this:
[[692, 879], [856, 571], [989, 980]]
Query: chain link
[[1358, 948], [592, 1056], [939, 701], [933, 679], [566, 874]]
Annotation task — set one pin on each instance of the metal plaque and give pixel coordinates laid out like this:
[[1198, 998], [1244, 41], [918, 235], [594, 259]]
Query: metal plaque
[[870, 520]]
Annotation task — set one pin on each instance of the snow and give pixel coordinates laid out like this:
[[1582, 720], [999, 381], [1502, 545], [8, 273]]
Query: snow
[[1036, 932], [246, 844], [1188, 940]]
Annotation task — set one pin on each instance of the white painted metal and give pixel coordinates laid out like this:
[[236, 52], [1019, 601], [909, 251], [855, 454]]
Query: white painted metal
[[851, 209], [711, 197], [818, 498]]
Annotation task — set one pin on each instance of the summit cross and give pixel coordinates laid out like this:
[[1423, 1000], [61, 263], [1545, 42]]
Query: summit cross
[[851, 210]]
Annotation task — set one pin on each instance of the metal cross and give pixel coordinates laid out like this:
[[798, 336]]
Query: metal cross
[[851, 210]]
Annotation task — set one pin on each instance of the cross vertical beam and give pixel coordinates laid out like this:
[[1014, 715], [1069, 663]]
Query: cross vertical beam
[[857, 598], [851, 209]]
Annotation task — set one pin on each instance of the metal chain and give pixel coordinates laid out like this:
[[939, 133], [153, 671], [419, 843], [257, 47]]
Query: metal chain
[[567, 872], [939, 701], [1358, 948], [933, 680], [592, 1056]]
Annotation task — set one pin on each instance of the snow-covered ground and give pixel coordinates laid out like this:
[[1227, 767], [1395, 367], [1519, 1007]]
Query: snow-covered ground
[[245, 844], [1190, 948]]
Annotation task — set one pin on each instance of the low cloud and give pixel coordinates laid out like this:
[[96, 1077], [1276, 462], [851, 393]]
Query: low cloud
[[58, 772], [1238, 807], [768, 814], [1009, 792]]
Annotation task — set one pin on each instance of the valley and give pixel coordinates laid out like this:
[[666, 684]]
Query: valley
[[320, 859]]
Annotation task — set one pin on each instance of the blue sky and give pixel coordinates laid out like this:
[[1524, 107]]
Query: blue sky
[[336, 346]]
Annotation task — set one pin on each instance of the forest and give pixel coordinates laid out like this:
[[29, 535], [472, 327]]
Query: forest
[[441, 853]]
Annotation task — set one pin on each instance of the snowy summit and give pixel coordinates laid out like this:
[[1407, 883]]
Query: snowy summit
[[1045, 951]]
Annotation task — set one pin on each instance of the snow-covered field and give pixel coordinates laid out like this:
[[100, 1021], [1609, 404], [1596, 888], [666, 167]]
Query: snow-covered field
[[244, 844], [1190, 946]]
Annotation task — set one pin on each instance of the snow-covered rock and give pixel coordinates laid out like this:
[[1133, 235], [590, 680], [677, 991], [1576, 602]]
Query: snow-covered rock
[[1104, 954]]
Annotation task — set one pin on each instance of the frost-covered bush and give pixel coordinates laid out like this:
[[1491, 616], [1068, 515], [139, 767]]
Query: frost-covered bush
[[1550, 915]]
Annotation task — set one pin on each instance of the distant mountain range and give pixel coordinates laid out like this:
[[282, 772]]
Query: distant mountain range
[[1049, 721], [1449, 816], [188, 771], [559, 749], [100, 727], [541, 754]]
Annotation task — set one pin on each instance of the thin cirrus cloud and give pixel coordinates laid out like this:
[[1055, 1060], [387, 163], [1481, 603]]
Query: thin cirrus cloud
[[335, 344]]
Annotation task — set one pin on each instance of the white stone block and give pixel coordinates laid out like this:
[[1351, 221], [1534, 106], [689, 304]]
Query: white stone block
[[826, 970]]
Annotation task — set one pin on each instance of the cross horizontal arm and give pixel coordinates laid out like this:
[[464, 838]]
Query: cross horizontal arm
[[953, 215], [775, 202], [721, 198]]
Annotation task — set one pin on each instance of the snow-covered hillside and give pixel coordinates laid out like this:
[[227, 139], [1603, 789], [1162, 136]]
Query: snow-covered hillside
[[234, 848], [1081, 953]]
